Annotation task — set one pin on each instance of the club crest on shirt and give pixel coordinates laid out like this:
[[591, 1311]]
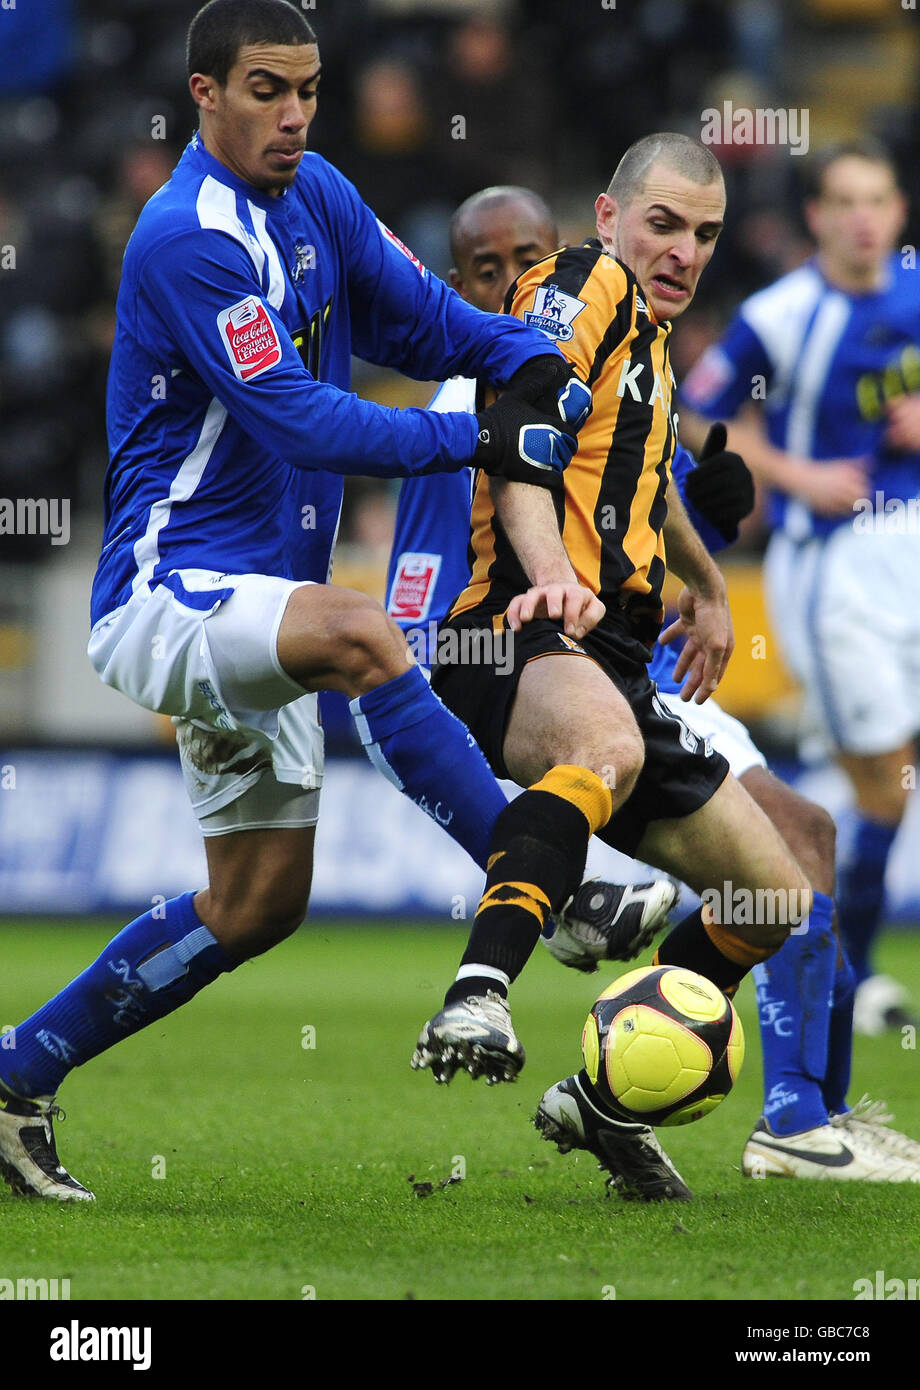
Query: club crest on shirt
[[413, 586], [250, 337], [554, 312], [304, 259]]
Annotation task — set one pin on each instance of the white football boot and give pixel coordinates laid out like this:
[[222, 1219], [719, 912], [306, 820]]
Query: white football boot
[[872, 1120], [28, 1157], [610, 921], [474, 1035], [825, 1152]]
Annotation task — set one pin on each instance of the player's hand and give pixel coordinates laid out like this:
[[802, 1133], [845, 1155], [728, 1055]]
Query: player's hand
[[903, 428], [579, 609], [551, 384], [721, 486], [707, 624], [834, 486], [520, 443]]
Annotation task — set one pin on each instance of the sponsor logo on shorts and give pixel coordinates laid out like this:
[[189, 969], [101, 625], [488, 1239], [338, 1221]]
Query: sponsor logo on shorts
[[554, 312], [413, 586], [250, 338], [572, 646]]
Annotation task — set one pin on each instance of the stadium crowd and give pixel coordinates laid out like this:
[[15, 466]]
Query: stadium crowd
[[423, 103]]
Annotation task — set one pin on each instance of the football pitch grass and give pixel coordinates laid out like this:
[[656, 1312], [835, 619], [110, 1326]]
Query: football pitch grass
[[268, 1141]]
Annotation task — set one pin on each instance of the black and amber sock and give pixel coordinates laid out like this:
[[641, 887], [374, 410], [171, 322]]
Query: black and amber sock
[[710, 950], [539, 847]]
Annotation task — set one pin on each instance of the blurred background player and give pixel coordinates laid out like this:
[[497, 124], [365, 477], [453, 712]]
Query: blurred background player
[[805, 990], [832, 351]]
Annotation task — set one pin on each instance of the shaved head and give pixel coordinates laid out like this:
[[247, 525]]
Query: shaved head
[[679, 153], [498, 199], [494, 236]]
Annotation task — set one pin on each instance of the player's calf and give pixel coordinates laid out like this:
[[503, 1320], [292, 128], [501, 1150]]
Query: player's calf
[[752, 889]]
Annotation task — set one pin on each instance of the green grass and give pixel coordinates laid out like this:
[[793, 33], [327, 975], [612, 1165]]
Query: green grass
[[288, 1167]]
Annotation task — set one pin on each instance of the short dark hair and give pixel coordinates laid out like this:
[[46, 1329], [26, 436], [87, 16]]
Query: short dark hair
[[867, 148], [223, 27], [682, 153]]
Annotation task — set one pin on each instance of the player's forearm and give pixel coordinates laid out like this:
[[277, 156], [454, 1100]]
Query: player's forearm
[[528, 517], [687, 556]]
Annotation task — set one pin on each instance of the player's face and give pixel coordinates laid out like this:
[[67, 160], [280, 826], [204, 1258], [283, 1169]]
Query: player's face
[[858, 216], [257, 124], [666, 235], [496, 245]]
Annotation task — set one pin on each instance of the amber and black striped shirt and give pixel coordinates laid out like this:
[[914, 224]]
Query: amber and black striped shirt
[[614, 505]]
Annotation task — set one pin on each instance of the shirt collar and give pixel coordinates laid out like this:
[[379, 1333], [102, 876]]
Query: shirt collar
[[277, 206]]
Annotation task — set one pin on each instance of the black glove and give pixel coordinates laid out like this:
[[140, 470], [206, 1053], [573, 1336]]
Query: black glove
[[518, 442], [551, 384], [720, 486]]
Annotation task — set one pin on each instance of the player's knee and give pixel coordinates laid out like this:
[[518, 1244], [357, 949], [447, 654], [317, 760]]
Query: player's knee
[[821, 837], [370, 648], [812, 837], [620, 764]]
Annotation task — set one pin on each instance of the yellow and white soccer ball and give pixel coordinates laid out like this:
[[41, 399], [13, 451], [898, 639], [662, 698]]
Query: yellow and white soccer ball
[[663, 1045]]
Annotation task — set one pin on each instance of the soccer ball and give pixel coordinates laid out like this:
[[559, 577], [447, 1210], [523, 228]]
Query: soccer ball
[[663, 1045]]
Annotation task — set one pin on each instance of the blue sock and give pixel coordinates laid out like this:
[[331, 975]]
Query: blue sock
[[861, 891], [151, 967], [793, 1002], [840, 1040], [425, 751]]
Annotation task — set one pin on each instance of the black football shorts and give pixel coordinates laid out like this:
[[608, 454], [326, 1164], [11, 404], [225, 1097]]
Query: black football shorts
[[681, 770]]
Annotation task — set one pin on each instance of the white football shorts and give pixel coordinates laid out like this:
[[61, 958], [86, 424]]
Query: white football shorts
[[846, 613], [727, 734], [202, 647]]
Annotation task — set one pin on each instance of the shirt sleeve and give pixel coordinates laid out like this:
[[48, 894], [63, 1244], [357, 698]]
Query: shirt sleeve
[[199, 290], [405, 317], [727, 373], [682, 466]]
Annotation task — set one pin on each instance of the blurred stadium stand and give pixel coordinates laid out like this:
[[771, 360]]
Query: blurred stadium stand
[[94, 111]]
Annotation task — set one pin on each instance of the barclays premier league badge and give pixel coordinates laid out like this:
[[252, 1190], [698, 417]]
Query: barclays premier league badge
[[554, 312]]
